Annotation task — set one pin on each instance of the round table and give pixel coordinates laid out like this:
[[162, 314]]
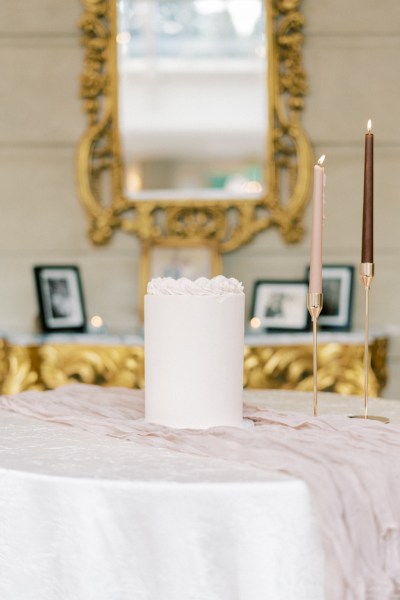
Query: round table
[[84, 516]]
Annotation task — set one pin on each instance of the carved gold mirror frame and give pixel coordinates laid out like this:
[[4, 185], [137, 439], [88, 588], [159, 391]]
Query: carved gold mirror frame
[[229, 223]]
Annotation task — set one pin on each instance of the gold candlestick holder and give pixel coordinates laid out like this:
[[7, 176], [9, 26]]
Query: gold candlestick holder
[[314, 305], [367, 271]]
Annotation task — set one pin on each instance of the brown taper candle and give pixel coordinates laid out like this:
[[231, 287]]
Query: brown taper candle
[[367, 251]]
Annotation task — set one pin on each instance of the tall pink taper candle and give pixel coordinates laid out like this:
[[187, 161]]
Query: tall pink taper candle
[[315, 284]]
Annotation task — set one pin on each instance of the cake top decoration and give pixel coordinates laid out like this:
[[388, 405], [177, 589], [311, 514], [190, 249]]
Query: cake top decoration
[[217, 286]]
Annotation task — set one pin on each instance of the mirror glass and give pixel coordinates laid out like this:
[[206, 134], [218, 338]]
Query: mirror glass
[[192, 98]]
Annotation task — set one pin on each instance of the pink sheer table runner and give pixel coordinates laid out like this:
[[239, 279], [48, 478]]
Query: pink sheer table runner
[[351, 467]]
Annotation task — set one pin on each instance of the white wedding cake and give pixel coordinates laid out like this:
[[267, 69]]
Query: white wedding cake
[[194, 340]]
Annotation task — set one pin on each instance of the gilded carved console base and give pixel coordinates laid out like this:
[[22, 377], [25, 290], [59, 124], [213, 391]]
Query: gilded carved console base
[[19, 368], [47, 366], [340, 367], [99, 365]]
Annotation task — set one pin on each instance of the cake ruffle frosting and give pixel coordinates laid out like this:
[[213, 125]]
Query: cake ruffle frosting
[[217, 286]]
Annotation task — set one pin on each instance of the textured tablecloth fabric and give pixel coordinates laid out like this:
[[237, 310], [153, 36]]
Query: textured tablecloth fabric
[[264, 512]]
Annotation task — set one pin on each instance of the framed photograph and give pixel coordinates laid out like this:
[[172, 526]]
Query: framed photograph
[[281, 305], [337, 288], [179, 258], [60, 298]]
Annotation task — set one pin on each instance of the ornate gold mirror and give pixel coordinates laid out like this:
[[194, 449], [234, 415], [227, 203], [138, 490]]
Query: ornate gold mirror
[[194, 126]]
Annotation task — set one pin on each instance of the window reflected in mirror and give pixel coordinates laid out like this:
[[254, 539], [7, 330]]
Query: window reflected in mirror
[[193, 112]]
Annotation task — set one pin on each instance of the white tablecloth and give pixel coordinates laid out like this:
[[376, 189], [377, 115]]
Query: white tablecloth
[[84, 516]]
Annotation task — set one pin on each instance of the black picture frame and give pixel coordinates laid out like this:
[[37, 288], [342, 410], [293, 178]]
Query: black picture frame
[[60, 298], [337, 289], [280, 305]]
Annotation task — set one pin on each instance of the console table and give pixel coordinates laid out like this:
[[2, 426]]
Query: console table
[[278, 361]]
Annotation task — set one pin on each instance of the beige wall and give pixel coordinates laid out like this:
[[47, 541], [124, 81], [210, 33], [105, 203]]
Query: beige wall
[[41, 120], [352, 51]]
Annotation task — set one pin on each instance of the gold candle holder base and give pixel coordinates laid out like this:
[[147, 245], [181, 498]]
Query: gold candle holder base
[[367, 271], [370, 418], [314, 305]]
